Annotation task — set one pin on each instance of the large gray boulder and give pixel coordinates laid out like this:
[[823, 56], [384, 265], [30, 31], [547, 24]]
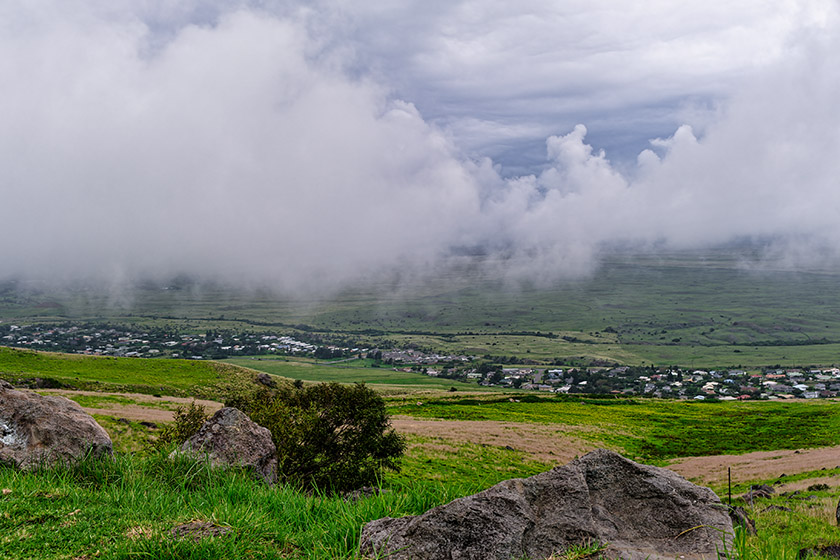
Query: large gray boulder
[[642, 512], [230, 438], [36, 430]]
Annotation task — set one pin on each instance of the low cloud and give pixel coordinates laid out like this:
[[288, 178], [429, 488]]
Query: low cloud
[[249, 149]]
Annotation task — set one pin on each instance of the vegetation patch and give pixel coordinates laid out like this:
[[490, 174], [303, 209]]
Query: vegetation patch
[[382, 377], [132, 375], [329, 437], [658, 430], [129, 506]]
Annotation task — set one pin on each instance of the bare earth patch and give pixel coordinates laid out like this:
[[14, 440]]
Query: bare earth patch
[[136, 411], [547, 443], [759, 465], [559, 444], [802, 485]]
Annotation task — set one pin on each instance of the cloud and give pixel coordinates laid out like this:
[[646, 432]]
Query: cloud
[[289, 146], [488, 69], [227, 151]]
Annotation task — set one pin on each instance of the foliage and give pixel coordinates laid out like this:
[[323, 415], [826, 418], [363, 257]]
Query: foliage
[[329, 436], [188, 420], [126, 507]]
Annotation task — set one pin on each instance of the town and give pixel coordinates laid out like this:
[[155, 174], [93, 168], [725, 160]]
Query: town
[[595, 378]]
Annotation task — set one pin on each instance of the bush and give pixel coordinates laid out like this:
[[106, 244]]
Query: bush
[[329, 436], [188, 420]]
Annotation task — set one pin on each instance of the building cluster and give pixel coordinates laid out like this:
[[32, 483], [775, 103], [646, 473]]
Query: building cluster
[[672, 382], [727, 385], [97, 340], [416, 357]]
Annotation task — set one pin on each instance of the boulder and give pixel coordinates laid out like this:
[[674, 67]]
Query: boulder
[[739, 516], [641, 512], [758, 491], [40, 430], [831, 551], [265, 379], [837, 514], [230, 438]]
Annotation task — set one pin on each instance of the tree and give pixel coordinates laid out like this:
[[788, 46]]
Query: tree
[[329, 436]]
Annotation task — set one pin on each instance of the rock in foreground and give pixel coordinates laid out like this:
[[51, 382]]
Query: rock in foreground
[[230, 438], [40, 430], [643, 512]]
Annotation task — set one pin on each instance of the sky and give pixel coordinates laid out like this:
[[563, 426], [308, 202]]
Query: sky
[[311, 145]]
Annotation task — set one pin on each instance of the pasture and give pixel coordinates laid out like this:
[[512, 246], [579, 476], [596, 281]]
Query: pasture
[[169, 377], [384, 379], [713, 309]]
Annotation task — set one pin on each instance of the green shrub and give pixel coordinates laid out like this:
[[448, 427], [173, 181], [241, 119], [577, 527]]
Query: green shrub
[[188, 420], [329, 437]]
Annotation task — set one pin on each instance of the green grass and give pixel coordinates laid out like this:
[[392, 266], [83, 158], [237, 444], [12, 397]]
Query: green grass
[[127, 436], [782, 534], [656, 430], [126, 508], [465, 465], [96, 400], [383, 378], [163, 376]]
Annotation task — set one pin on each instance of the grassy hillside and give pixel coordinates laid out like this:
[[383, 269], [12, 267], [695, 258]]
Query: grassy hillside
[[652, 429], [169, 377], [128, 508], [383, 379], [713, 309]]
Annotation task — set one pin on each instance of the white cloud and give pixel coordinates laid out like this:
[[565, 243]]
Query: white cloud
[[285, 145], [550, 65], [227, 150]]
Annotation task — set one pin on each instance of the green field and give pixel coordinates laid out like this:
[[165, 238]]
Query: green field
[[384, 379], [170, 377], [715, 309], [126, 508], [712, 310], [652, 429]]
